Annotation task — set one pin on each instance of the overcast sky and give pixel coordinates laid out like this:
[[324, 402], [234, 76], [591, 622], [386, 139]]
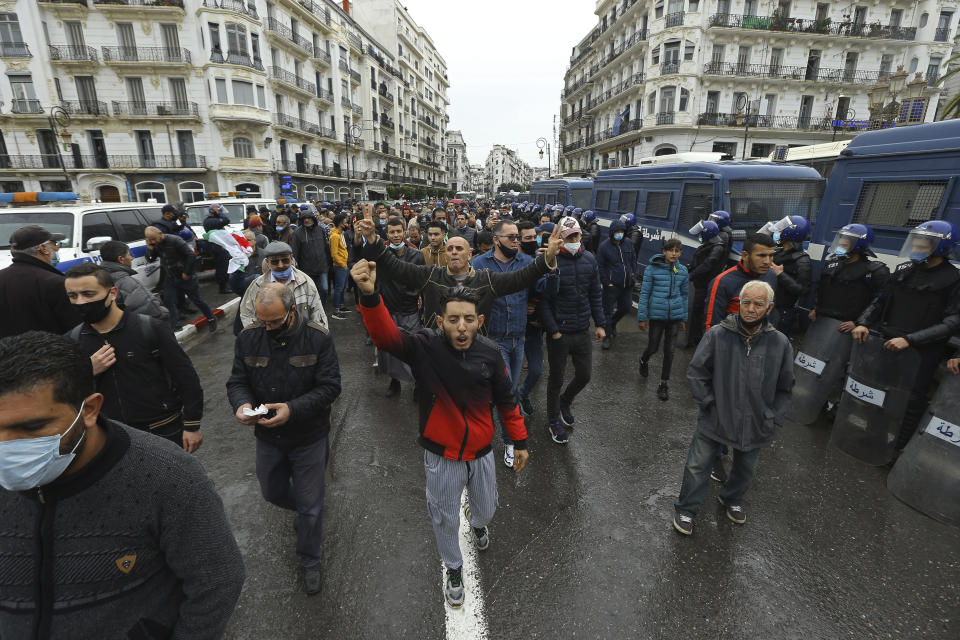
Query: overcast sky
[[505, 60]]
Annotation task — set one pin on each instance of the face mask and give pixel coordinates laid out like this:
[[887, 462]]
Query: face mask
[[280, 227], [571, 247], [395, 247], [381, 222], [841, 252], [507, 251], [751, 324], [529, 247], [55, 259], [618, 235], [776, 237], [94, 311], [919, 257], [539, 241], [282, 275], [34, 462]]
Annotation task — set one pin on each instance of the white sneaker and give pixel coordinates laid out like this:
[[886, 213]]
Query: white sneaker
[[508, 455]]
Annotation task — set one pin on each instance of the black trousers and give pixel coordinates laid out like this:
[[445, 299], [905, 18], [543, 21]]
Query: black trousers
[[221, 260], [665, 330], [930, 358], [698, 299], [580, 349]]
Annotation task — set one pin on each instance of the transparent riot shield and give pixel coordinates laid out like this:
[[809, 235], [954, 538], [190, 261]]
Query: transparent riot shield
[[818, 367], [874, 400], [927, 474]]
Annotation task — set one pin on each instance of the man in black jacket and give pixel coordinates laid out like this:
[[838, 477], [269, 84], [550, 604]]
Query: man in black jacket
[[178, 263], [31, 289], [565, 312], [289, 368], [432, 282], [402, 302], [168, 222], [311, 250], [131, 294], [152, 386], [216, 219]]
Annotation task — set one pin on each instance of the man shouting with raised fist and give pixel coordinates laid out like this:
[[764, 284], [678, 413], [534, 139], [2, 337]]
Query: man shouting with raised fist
[[459, 376]]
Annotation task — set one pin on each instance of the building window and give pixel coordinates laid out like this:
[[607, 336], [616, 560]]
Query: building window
[[261, 97], [236, 39], [311, 192], [689, 48], [252, 190], [761, 150], [221, 84], [191, 191], [243, 93], [329, 194], [729, 148], [933, 69], [357, 193], [147, 191], [684, 99], [242, 148]]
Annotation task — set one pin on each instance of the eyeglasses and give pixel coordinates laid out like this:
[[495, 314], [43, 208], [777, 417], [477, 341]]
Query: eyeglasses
[[513, 237], [280, 261]]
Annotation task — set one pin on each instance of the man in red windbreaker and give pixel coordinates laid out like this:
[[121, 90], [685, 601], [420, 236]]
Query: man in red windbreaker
[[459, 376]]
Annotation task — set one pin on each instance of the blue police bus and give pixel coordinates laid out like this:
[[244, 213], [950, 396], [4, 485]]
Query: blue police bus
[[669, 199], [566, 191], [892, 180]]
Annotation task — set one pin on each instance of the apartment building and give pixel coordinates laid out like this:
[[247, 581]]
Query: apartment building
[[458, 167], [655, 77], [504, 166], [171, 99], [478, 179]]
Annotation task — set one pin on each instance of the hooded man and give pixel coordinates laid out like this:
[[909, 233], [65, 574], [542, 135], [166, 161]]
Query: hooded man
[[617, 262], [311, 249]]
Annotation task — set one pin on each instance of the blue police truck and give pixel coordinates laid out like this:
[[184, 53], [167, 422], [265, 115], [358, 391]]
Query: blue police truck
[[573, 192], [669, 199]]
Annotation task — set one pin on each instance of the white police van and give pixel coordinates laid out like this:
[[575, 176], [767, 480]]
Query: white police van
[[87, 227]]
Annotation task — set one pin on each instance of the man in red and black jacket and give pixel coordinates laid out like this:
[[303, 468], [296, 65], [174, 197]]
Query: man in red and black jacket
[[756, 262], [459, 377]]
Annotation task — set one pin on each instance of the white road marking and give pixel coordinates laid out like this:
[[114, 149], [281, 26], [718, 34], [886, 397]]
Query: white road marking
[[469, 622]]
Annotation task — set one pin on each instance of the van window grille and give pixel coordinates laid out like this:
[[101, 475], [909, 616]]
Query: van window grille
[[696, 204], [658, 204], [904, 203], [755, 202], [627, 202]]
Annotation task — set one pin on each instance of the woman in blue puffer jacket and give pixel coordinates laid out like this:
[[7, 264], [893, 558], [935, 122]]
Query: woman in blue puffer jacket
[[662, 308]]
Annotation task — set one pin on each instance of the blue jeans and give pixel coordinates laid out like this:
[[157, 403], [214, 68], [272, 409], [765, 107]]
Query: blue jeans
[[511, 350], [340, 275], [174, 287], [533, 350], [696, 474], [321, 279]]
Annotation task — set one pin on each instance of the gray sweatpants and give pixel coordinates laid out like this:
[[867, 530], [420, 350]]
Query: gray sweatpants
[[446, 480]]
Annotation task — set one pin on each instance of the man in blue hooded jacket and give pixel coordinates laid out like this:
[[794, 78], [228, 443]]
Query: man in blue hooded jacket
[[617, 261]]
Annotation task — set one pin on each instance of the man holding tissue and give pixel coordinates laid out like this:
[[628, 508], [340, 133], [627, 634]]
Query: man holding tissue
[[285, 377]]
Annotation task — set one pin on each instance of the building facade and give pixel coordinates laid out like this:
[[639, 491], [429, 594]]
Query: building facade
[[504, 166], [171, 99], [655, 77], [478, 179], [458, 166]]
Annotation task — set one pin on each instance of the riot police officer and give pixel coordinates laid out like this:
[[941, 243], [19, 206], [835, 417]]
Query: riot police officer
[[708, 261], [591, 231], [793, 268], [633, 233], [850, 279], [919, 307], [722, 219]]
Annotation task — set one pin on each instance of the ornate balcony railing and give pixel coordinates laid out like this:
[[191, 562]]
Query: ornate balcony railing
[[85, 107], [632, 81], [291, 122], [673, 19], [146, 54], [844, 28], [785, 72], [160, 109], [142, 3], [287, 33], [756, 120], [15, 50], [69, 161], [324, 94], [70, 53], [21, 105], [292, 79], [237, 6], [321, 54]]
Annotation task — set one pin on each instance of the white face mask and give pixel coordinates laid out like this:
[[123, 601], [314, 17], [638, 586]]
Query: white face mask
[[34, 462], [396, 247], [571, 247]]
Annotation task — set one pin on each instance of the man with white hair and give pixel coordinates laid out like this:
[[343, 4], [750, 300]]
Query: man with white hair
[[741, 377]]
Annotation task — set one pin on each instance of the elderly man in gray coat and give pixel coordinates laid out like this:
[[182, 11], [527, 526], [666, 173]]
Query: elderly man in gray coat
[[741, 377]]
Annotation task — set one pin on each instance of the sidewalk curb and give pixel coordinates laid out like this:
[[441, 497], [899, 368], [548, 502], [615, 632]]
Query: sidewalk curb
[[191, 334]]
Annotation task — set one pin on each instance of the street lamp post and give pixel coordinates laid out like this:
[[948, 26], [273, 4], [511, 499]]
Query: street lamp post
[[541, 144], [59, 116], [354, 133]]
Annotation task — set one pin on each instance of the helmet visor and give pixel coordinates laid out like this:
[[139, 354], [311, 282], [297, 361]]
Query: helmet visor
[[844, 243], [920, 245], [696, 229]]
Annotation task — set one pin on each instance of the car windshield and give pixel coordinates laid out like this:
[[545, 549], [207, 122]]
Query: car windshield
[[234, 210], [11, 220], [581, 198], [754, 202]]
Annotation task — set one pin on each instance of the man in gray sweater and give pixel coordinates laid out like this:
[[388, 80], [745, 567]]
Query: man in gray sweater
[[107, 532], [741, 376]]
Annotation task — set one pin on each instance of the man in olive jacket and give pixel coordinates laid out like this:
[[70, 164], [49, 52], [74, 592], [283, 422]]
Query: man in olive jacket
[[288, 365], [741, 376]]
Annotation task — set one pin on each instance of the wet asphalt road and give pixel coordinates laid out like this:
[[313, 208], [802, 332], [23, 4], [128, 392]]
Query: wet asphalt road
[[582, 545]]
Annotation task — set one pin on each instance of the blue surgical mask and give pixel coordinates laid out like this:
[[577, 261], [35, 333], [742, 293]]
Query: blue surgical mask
[[280, 227], [55, 259], [34, 462], [841, 252], [618, 235], [282, 275], [919, 256], [776, 237], [539, 241], [396, 247]]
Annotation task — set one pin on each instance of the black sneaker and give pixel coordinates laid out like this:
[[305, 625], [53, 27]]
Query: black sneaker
[[663, 392], [558, 433], [526, 407], [453, 588], [683, 523], [212, 325], [566, 416], [394, 388], [481, 537], [343, 311], [607, 342], [644, 369], [719, 473], [734, 511], [313, 580], [336, 316]]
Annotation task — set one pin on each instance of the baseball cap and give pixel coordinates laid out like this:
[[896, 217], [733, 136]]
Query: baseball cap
[[32, 235], [568, 226], [545, 227]]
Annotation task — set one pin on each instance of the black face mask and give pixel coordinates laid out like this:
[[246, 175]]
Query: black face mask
[[751, 324], [529, 247], [94, 311], [507, 251], [278, 333]]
